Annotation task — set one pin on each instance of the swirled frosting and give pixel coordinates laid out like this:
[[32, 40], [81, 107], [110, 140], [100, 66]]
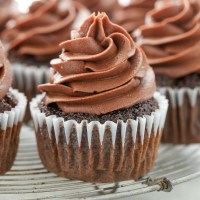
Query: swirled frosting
[[131, 14], [99, 5], [171, 38], [5, 73], [6, 12], [41, 30], [100, 70]]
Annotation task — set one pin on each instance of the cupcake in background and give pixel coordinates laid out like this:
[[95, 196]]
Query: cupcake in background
[[171, 41], [130, 14], [8, 9], [12, 110], [99, 5], [99, 118], [32, 39]]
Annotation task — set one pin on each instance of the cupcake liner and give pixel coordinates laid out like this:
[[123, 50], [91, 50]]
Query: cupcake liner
[[95, 152], [10, 125], [26, 78], [183, 119]]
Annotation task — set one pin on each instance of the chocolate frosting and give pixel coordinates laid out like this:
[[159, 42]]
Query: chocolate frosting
[[5, 12], [99, 5], [130, 16], [5, 73], [41, 30], [100, 70], [171, 38]]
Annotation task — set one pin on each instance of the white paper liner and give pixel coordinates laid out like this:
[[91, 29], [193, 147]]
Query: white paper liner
[[182, 123], [10, 118], [177, 95], [26, 78], [153, 123], [10, 125]]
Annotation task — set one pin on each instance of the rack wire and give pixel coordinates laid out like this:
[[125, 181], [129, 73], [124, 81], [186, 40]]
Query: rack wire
[[29, 180]]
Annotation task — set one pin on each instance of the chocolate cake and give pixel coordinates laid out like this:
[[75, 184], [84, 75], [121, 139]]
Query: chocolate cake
[[133, 112], [171, 40], [7, 102], [39, 32], [191, 81], [11, 122], [42, 29], [99, 118]]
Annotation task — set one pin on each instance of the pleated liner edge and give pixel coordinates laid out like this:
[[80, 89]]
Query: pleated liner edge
[[98, 152]]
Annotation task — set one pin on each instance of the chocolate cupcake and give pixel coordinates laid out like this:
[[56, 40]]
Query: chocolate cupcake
[[38, 34], [99, 119], [99, 5], [12, 110], [131, 14], [171, 41]]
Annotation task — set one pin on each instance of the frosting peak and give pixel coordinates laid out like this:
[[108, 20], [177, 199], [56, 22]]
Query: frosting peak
[[5, 73], [41, 30], [100, 70], [171, 37]]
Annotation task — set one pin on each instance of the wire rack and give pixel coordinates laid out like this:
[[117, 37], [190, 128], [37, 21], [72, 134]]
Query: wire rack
[[29, 180]]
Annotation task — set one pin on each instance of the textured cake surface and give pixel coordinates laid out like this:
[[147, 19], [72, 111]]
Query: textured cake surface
[[138, 110]]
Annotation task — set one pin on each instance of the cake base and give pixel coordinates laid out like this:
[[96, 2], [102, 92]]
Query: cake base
[[11, 123], [8, 102], [100, 152], [138, 110], [191, 81], [100, 163]]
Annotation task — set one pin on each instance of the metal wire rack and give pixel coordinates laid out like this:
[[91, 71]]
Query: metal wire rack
[[29, 180]]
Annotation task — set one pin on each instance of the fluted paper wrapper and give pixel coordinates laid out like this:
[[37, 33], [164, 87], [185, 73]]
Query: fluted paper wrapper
[[10, 125], [95, 152], [183, 119], [26, 78]]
